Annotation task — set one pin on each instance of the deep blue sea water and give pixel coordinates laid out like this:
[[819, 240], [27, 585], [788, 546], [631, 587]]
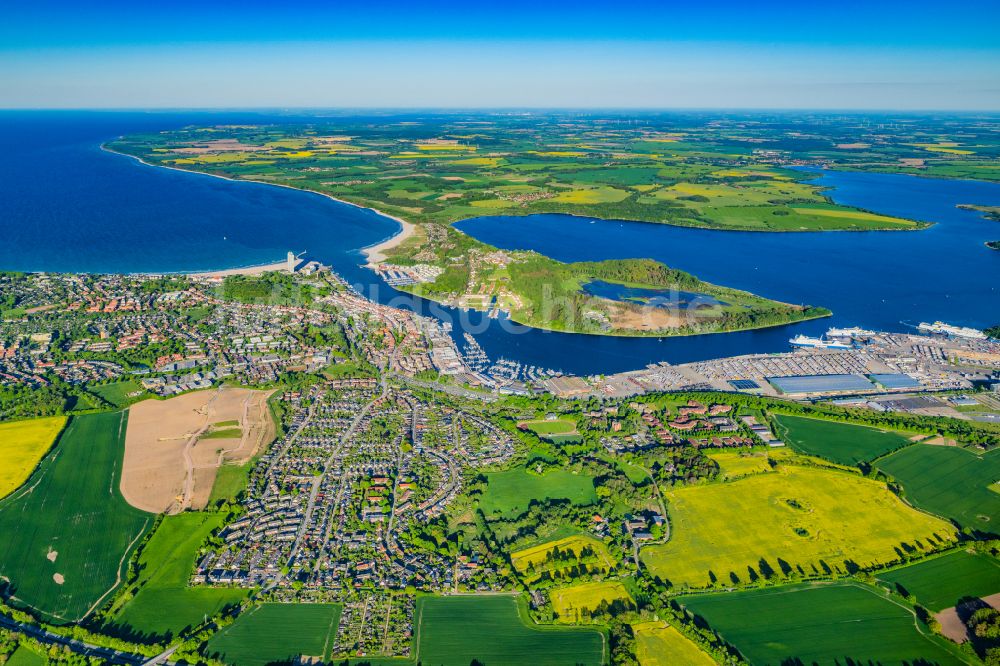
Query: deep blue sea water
[[66, 205], [881, 280]]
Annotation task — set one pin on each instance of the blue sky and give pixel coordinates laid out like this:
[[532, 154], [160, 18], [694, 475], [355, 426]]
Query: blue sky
[[849, 55]]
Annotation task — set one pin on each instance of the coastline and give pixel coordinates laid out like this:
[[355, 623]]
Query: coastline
[[373, 253], [246, 270]]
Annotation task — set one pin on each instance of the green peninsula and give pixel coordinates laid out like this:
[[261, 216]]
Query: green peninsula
[[434, 170]]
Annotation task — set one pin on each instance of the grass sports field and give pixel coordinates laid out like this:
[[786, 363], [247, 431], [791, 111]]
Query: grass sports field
[[939, 582], [810, 623], [68, 532], [577, 602], [659, 644], [510, 492], [165, 604], [842, 443], [277, 633], [557, 427], [455, 630], [22, 445], [798, 518], [950, 482]]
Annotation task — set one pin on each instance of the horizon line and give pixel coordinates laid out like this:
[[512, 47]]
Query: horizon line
[[459, 109]]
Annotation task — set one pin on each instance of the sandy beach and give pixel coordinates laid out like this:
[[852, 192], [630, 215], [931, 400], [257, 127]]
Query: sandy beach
[[376, 253], [248, 270]]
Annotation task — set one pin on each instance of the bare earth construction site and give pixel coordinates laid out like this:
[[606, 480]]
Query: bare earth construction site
[[173, 448]]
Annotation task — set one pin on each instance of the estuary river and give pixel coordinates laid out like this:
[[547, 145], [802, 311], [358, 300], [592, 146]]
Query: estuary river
[[69, 206]]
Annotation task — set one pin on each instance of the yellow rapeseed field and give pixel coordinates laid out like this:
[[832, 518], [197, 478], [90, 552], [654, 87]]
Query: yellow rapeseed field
[[853, 215], [796, 521], [537, 554], [594, 195], [734, 465], [570, 602], [659, 644], [22, 445]]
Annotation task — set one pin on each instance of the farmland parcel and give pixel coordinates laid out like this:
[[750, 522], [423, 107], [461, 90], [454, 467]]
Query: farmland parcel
[[278, 633], [950, 482], [455, 630], [165, 604], [174, 447], [22, 445], [842, 443], [659, 644], [939, 582], [807, 623], [577, 603], [797, 520], [68, 531]]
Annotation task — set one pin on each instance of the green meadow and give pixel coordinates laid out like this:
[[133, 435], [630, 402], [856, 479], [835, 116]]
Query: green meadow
[[842, 443], [829, 623], [949, 481], [165, 604], [68, 532], [230, 481], [117, 393], [277, 633], [510, 492], [25, 656], [555, 427], [939, 582], [455, 630]]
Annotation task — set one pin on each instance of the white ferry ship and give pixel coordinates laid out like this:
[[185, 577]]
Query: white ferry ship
[[854, 332], [817, 343], [954, 331]]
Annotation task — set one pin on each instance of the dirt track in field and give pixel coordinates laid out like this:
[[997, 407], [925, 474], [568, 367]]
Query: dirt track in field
[[169, 466]]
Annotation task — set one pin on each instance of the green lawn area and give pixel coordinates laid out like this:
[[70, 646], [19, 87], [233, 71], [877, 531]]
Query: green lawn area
[[117, 392], [455, 630], [223, 433], [230, 481], [557, 427], [950, 482], [510, 492], [939, 582], [277, 633], [842, 443], [165, 604], [25, 656], [833, 623], [69, 522]]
